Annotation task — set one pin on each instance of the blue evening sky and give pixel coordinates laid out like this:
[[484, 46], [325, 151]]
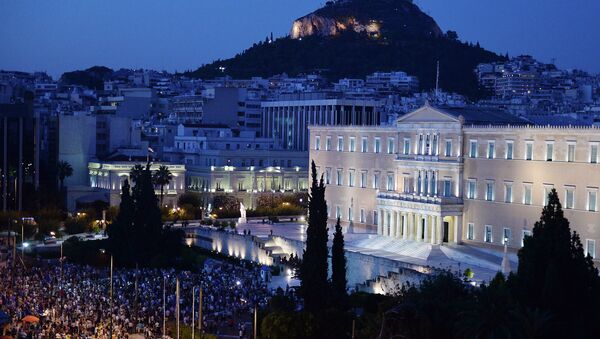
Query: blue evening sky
[[63, 35]]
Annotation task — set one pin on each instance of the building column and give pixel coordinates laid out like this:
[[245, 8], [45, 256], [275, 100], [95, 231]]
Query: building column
[[379, 222], [419, 222], [399, 225], [409, 222], [392, 226], [427, 230], [434, 229], [440, 230], [458, 229], [404, 221]]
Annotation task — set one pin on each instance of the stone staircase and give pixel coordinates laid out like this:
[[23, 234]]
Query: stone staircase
[[401, 247], [392, 283]]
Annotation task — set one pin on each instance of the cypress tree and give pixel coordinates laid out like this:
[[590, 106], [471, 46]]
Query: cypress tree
[[314, 268], [338, 265], [147, 223], [120, 231], [555, 275]]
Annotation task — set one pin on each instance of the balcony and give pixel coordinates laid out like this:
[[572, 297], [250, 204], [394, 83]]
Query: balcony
[[437, 200], [430, 158]]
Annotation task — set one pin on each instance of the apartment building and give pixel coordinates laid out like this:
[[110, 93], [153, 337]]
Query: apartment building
[[459, 175]]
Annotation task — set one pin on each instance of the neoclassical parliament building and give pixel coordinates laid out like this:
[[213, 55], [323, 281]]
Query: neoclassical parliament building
[[459, 175]]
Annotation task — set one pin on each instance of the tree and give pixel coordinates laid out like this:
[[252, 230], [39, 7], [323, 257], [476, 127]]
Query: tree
[[120, 231], [64, 170], [338, 265], [136, 173], [313, 272], [162, 177], [555, 275]]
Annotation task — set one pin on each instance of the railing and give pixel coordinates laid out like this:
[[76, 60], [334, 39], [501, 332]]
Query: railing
[[431, 158], [438, 200]]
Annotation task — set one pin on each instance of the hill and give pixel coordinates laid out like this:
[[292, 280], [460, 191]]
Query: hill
[[354, 38]]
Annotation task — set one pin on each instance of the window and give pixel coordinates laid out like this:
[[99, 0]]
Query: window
[[340, 177], [338, 212], [489, 191], [317, 143], [328, 176], [376, 181], [448, 148], [527, 194], [328, 144], [590, 248], [549, 151], [350, 214], [351, 178], [491, 150], [473, 149], [594, 153], [487, 235], [377, 146], [390, 146], [526, 233], [363, 145], [362, 216], [529, 150], [352, 144], [447, 187], [547, 190], [340, 144], [407, 186], [390, 182], [508, 193], [506, 236], [470, 231], [471, 189], [406, 149], [375, 218], [592, 200], [363, 179], [571, 152], [509, 150], [569, 197]]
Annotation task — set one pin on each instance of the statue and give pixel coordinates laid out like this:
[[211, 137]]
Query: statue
[[242, 219]]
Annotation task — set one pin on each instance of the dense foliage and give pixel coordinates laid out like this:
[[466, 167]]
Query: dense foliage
[[92, 77], [338, 266]]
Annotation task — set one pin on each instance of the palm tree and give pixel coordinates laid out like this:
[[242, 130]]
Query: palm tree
[[162, 177], [136, 173], [64, 170]]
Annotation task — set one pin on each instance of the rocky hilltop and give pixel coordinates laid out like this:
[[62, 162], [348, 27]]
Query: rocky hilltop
[[354, 38], [374, 17]]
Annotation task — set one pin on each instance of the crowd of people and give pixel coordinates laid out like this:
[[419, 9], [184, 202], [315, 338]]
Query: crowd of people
[[75, 300]]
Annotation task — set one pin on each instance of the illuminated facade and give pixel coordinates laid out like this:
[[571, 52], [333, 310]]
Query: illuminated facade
[[459, 176], [109, 176], [245, 183]]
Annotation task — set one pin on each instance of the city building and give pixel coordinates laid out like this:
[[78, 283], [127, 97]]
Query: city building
[[287, 119], [460, 175]]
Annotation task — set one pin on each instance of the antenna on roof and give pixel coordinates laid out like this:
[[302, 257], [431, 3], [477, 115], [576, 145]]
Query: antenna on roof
[[437, 79]]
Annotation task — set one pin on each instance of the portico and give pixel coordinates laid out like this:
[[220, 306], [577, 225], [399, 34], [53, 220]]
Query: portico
[[425, 219]]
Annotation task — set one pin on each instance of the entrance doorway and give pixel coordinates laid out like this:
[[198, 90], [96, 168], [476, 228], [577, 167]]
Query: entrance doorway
[[446, 226]]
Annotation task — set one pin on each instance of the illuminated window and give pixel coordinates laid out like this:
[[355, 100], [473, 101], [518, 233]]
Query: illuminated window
[[489, 191], [470, 231], [473, 149], [362, 216], [590, 248], [509, 150], [340, 177], [506, 235], [571, 152], [491, 150], [527, 194], [549, 151], [363, 179], [570, 197], [471, 189], [547, 190], [340, 144], [377, 145], [448, 148], [594, 153], [390, 146], [352, 144], [406, 148], [376, 181], [508, 193], [390, 182], [351, 178], [328, 176], [317, 143], [529, 150], [487, 235], [364, 145], [592, 200], [328, 143]]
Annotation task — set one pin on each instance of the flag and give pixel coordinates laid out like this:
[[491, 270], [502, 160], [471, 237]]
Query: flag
[[150, 150]]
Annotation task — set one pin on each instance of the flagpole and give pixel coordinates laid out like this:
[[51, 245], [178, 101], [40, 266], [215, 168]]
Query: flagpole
[[164, 308], [200, 311], [193, 306], [177, 305]]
